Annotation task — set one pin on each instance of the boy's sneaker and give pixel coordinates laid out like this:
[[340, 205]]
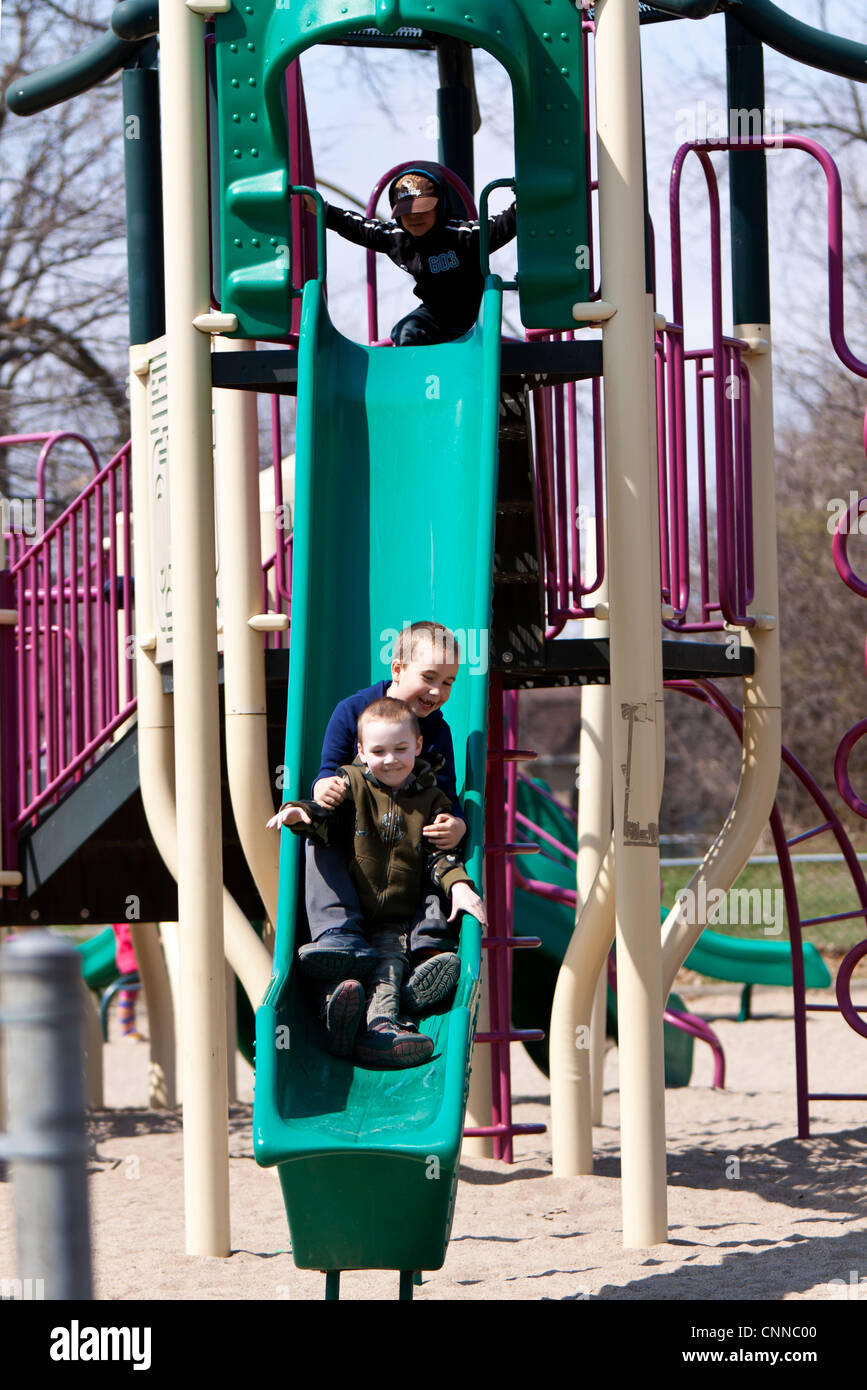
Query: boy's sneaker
[[343, 1010], [390, 1044], [431, 983], [336, 955]]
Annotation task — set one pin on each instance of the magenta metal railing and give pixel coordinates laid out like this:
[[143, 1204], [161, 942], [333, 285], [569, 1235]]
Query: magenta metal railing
[[49, 439], [848, 523], [68, 670], [74, 663], [724, 497], [499, 941], [726, 594]]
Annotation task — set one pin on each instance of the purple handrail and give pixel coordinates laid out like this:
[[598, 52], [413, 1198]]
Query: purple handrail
[[49, 438], [840, 551]]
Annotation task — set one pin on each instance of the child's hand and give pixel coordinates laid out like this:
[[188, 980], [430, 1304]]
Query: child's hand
[[309, 202], [445, 831], [466, 899], [288, 815], [329, 791]]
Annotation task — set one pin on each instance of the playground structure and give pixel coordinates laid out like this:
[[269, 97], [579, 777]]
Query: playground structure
[[78, 774]]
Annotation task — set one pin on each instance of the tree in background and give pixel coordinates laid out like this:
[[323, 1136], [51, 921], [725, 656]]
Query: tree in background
[[62, 253]]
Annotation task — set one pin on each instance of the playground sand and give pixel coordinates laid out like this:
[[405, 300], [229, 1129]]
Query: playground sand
[[754, 1213]]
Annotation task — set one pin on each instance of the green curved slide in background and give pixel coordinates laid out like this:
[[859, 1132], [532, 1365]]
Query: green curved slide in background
[[395, 494], [716, 955]]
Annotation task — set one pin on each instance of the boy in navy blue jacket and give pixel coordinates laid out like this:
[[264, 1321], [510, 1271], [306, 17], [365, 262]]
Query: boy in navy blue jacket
[[424, 668], [440, 253]]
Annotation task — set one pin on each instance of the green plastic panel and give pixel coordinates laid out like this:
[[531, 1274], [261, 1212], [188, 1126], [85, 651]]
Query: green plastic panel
[[98, 963], [539, 44], [395, 495]]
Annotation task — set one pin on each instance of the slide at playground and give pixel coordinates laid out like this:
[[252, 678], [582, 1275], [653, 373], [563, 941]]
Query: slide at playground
[[395, 498], [715, 955]]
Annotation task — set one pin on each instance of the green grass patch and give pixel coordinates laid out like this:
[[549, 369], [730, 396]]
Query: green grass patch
[[823, 889]]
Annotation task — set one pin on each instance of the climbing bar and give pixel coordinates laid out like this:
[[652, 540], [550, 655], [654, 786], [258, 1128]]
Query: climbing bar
[[485, 230], [512, 942], [51, 86]]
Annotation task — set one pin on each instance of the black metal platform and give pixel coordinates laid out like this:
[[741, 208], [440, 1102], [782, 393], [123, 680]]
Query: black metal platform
[[275, 370], [586, 661]]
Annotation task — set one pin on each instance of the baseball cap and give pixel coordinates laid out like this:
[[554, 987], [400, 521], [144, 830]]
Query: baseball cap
[[413, 192]]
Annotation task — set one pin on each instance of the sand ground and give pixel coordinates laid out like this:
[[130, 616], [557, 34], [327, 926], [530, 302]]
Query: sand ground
[[754, 1213]]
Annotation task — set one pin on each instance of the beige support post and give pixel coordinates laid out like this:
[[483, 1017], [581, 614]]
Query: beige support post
[[598, 1030], [197, 742], [571, 1017], [161, 1020], [634, 612], [172, 953], [577, 1043], [250, 778], [760, 757], [91, 1041]]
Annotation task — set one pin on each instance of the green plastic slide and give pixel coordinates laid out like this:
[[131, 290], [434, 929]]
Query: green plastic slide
[[754, 962], [396, 461]]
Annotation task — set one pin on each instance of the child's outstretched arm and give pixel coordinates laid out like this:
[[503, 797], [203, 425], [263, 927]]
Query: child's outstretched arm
[[503, 226], [289, 814], [355, 227], [466, 899]]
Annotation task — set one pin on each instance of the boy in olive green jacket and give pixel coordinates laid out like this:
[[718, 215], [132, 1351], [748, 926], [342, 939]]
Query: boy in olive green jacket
[[392, 794]]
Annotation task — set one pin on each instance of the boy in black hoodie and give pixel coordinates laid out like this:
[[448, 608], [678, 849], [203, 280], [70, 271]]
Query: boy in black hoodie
[[440, 253]]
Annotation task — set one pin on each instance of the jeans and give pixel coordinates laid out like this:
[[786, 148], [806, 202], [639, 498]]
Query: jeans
[[421, 327], [332, 902]]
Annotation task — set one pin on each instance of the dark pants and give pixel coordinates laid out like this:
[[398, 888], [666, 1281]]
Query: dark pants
[[420, 328], [388, 974], [332, 902]]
